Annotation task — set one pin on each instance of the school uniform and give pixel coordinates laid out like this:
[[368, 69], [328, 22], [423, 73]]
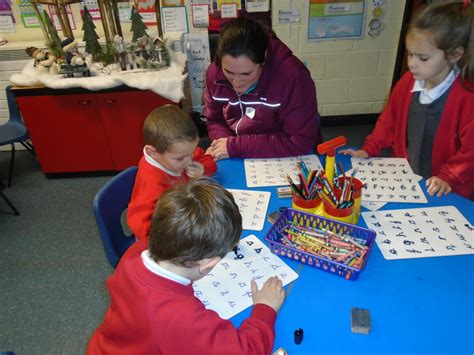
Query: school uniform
[[153, 311], [276, 118], [450, 140], [151, 182]]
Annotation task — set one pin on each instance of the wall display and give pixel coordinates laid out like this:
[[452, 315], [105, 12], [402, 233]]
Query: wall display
[[174, 19], [28, 15], [92, 7], [229, 10], [421, 232], [335, 19], [378, 12], [6, 24], [274, 171], [257, 5], [200, 15], [226, 289], [147, 9], [253, 206], [289, 16]]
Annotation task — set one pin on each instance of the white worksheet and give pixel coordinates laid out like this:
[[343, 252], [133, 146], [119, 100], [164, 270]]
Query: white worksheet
[[253, 207], [273, 172], [226, 289], [421, 232], [388, 180]]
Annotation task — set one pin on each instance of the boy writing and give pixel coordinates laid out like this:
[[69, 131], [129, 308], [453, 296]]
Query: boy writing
[[153, 308], [170, 156]]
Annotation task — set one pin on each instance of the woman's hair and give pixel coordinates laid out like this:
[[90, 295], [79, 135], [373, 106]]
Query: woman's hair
[[243, 37], [194, 221], [451, 25], [166, 125]]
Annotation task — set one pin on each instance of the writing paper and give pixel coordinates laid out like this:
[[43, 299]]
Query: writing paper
[[226, 289], [421, 232], [388, 180], [272, 172], [253, 207]]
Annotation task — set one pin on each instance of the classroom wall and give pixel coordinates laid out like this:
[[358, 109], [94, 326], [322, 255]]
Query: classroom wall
[[351, 76]]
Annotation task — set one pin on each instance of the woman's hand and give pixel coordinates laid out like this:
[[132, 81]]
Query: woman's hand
[[218, 149], [354, 153], [437, 186]]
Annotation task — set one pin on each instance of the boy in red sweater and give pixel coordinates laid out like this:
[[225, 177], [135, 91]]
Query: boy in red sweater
[[153, 309], [170, 156]]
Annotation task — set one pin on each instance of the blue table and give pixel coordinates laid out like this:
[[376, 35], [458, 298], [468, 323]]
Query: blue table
[[417, 306]]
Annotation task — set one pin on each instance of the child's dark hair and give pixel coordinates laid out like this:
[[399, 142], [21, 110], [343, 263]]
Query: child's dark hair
[[451, 25], [166, 125], [194, 221], [243, 37]]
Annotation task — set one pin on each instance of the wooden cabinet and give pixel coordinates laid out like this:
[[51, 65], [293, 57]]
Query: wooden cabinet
[[80, 130]]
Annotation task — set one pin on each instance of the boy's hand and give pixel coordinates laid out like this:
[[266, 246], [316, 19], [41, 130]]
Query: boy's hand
[[354, 153], [272, 293], [437, 186], [195, 170], [218, 149]]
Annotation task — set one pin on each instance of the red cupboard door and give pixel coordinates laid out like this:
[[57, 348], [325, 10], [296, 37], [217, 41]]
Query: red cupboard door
[[123, 114], [67, 132]]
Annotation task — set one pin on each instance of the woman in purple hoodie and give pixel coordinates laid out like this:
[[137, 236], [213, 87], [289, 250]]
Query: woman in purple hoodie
[[260, 100]]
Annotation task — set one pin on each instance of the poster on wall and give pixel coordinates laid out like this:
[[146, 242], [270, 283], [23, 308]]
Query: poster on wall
[[28, 15], [147, 9], [174, 19], [330, 20], [257, 5], [92, 7]]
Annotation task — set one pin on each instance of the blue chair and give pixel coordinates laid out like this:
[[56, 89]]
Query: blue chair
[[14, 131], [109, 204]]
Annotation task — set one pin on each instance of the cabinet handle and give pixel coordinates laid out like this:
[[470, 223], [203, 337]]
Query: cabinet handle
[[84, 102], [110, 102]]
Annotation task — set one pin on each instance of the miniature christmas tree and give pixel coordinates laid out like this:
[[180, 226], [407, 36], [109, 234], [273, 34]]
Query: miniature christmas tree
[[138, 27], [54, 43], [93, 46]]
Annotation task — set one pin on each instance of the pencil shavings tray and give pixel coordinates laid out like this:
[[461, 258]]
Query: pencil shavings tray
[[279, 246]]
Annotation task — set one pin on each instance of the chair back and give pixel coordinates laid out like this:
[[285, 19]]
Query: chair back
[[15, 114], [109, 204]]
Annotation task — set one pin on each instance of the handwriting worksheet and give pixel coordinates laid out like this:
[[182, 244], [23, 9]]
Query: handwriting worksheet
[[226, 289], [253, 207], [421, 232], [273, 172], [388, 180]]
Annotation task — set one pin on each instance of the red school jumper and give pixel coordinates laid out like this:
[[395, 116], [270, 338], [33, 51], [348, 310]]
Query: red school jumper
[[149, 314], [453, 147], [150, 183]]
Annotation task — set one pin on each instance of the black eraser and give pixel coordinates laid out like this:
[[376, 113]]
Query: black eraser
[[360, 320], [298, 336]]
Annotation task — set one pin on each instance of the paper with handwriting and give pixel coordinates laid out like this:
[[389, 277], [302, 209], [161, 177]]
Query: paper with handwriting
[[226, 289], [273, 172], [388, 180], [421, 232], [253, 206]]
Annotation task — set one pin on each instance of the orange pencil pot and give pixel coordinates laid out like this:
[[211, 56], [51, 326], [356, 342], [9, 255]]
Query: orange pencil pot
[[313, 206], [356, 196], [340, 214]]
